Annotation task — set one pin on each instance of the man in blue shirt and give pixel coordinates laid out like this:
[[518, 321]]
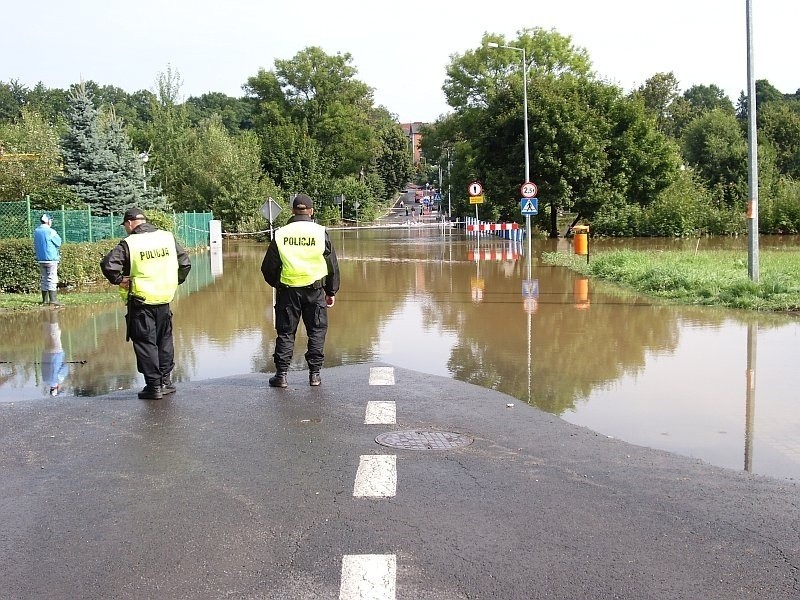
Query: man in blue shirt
[[47, 245]]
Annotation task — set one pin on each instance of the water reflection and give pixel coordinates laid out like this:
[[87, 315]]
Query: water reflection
[[677, 378]]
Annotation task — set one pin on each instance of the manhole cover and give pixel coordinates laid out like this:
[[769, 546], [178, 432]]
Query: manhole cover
[[423, 440]]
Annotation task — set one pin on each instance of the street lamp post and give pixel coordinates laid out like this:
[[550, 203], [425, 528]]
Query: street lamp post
[[525, 121], [144, 157], [752, 155]]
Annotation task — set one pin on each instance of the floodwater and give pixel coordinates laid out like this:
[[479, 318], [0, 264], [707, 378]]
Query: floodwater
[[714, 384]]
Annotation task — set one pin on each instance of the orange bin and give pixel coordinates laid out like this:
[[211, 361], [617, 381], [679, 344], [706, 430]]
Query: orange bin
[[581, 239]]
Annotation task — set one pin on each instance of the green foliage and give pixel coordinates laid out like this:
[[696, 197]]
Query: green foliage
[[28, 134], [100, 166], [716, 147], [19, 271], [717, 278]]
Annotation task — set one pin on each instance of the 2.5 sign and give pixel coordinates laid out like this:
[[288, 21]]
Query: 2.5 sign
[[528, 190]]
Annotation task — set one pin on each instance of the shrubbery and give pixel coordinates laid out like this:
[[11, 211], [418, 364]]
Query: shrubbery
[[80, 265]]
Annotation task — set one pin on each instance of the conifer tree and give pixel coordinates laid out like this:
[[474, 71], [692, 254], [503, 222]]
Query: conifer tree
[[100, 165]]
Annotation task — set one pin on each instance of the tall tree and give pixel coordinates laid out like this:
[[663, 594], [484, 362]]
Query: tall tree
[[99, 164]]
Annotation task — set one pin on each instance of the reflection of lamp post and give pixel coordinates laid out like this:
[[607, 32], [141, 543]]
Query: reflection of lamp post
[[144, 157], [525, 111]]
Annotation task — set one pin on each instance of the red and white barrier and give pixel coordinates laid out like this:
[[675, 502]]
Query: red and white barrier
[[494, 254]]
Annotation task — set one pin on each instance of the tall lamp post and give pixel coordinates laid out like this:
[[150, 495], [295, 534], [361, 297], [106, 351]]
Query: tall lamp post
[[752, 155], [144, 157], [525, 120]]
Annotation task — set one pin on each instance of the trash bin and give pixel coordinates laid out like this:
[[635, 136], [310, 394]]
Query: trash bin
[[580, 241]]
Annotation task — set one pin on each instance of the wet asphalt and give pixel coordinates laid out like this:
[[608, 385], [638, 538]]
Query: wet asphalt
[[232, 489]]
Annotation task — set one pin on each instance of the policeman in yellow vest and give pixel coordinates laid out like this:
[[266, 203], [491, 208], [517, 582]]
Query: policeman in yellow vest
[[300, 263], [148, 266]]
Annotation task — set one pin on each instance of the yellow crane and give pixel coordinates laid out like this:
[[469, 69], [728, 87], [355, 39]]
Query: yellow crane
[[7, 156]]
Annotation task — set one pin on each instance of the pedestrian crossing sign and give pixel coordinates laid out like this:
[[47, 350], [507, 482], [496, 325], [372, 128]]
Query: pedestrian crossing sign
[[529, 206]]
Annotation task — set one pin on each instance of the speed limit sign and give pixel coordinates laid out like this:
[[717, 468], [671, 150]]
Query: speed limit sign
[[528, 189], [475, 188]]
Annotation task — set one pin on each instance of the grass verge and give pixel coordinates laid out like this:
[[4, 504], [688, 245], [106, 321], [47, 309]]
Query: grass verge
[[711, 277]]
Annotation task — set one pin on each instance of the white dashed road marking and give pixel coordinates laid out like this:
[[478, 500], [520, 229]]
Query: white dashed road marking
[[381, 376], [368, 577], [380, 413], [376, 476]]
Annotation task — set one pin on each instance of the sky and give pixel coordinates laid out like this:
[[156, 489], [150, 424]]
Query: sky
[[401, 49]]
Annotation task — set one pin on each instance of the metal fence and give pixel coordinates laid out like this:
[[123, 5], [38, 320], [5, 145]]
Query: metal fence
[[17, 220]]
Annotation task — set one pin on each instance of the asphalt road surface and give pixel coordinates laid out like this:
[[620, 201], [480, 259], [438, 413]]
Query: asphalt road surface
[[232, 489]]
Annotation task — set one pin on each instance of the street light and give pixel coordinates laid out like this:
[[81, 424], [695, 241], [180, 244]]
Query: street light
[[525, 111], [144, 157]]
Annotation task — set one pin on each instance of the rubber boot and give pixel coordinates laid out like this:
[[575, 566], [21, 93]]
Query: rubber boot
[[54, 298], [45, 297]]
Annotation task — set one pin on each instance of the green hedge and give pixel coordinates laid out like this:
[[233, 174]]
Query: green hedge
[[80, 265]]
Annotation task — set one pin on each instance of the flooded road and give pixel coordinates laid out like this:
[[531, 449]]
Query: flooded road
[[714, 384]]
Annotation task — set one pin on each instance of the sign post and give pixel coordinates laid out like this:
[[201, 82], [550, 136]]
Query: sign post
[[475, 193], [529, 205], [270, 209]]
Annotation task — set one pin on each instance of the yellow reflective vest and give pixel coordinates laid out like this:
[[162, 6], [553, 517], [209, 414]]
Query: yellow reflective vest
[[301, 245], [154, 267]]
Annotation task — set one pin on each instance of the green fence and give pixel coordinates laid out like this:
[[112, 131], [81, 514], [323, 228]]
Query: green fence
[[17, 220]]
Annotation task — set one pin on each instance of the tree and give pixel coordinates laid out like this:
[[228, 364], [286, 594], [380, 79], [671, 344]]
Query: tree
[[715, 146], [29, 135], [779, 122], [475, 75], [658, 93], [223, 174], [100, 166], [587, 143]]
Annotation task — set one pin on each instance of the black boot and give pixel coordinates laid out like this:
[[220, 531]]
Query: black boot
[[279, 380], [151, 392], [314, 379], [167, 387], [45, 297], [54, 298]]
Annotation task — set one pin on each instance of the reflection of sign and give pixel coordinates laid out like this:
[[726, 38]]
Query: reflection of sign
[[529, 206], [528, 189], [476, 285], [530, 288], [475, 188], [270, 209], [476, 199], [530, 305]]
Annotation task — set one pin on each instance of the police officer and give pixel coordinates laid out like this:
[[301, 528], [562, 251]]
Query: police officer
[[300, 263], [148, 266]]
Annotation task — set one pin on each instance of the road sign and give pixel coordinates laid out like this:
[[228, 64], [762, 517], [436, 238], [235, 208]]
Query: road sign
[[476, 199], [475, 189], [270, 209], [529, 206], [528, 189]]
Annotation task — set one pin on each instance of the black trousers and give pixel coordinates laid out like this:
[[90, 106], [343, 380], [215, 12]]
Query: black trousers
[[150, 330], [291, 305]]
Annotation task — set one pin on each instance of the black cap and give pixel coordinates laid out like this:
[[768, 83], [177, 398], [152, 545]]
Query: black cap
[[302, 202], [133, 214]]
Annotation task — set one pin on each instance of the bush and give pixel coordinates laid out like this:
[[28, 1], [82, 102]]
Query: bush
[[80, 265]]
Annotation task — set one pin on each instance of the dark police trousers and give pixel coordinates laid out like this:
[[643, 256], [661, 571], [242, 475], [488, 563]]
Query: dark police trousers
[[151, 334], [292, 304]]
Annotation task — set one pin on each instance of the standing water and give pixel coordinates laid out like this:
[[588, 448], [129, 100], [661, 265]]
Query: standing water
[[710, 383]]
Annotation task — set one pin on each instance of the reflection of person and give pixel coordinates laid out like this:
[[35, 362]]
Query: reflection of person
[[54, 369], [47, 245], [300, 263], [148, 266]]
